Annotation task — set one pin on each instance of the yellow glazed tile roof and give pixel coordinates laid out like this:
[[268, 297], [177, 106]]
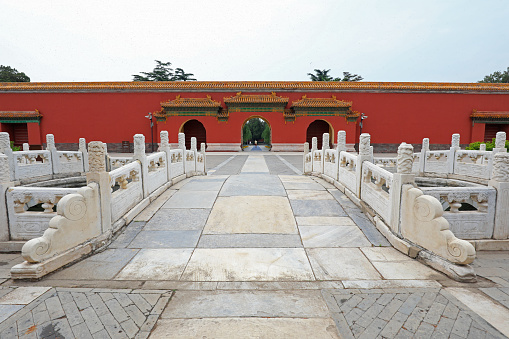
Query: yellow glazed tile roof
[[252, 85], [20, 114], [489, 114], [191, 102], [258, 99], [321, 102]]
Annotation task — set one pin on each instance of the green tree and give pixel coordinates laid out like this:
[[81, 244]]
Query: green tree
[[497, 77], [9, 74], [266, 135], [254, 128], [247, 136], [163, 72], [323, 75]]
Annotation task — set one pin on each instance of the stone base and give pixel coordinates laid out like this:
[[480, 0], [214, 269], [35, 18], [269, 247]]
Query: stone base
[[462, 273], [27, 270], [235, 147], [490, 245], [287, 147], [11, 246]]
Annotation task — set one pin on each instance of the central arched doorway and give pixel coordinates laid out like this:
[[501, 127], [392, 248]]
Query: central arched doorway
[[316, 129], [194, 128], [256, 134]]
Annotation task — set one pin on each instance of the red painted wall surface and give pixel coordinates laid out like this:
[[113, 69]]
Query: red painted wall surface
[[392, 117]]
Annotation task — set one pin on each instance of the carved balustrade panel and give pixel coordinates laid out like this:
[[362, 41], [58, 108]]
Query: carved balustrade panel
[[30, 164], [157, 171], [375, 189], [469, 210], [190, 161], [317, 161], [127, 189], [117, 162], [30, 209], [347, 170], [70, 162], [437, 161], [308, 162], [176, 162], [477, 164], [330, 165]]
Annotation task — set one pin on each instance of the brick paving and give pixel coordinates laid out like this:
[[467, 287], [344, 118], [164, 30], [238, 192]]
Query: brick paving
[[88, 313], [404, 313]]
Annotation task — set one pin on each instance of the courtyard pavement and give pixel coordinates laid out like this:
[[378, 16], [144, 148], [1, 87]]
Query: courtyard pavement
[[254, 250]]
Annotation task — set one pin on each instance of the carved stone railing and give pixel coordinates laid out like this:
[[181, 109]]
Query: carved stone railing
[[127, 189], [190, 164], [117, 162], [477, 164], [375, 189], [157, 171], [70, 162], [469, 210], [318, 161], [437, 161], [385, 162], [176, 163], [308, 159], [331, 163], [26, 224], [347, 170], [30, 164]]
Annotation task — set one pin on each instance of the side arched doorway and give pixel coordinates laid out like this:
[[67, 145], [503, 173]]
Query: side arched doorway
[[316, 129], [194, 128]]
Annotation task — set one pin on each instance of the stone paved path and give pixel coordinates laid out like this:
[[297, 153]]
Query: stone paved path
[[255, 250]]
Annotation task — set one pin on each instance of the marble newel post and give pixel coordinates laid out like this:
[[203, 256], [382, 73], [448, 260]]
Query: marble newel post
[[364, 155], [325, 147], [5, 148], [500, 181], [341, 142], [165, 147], [314, 147], [50, 146], [403, 176], [139, 154], [182, 146], [455, 146], [97, 173], [5, 183], [500, 143], [422, 158], [204, 157], [84, 153], [306, 151]]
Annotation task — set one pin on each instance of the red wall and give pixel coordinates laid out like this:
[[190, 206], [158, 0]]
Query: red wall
[[392, 117]]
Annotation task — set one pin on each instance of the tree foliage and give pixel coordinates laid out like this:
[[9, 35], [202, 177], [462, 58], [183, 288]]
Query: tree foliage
[[256, 129], [497, 77], [323, 75], [163, 72], [9, 74]]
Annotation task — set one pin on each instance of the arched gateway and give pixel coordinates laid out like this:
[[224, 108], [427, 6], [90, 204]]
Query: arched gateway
[[316, 129], [194, 128]]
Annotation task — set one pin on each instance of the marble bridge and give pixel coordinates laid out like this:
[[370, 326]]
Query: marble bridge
[[255, 249]]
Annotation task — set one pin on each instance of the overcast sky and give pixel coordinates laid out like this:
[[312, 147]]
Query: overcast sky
[[389, 40]]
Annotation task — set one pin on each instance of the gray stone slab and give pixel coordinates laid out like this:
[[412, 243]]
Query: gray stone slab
[[191, 199], [295, 185], [166, 239], [130, 232], [232, 166], [7, 310], [203, 185], [367, 227], [312, 208], [218, 304], [174, 219], [249, 240], [253, 184], [104, 265], [332, 236]]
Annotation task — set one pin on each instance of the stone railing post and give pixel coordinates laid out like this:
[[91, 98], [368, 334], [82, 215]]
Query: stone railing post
[[422, 159], [341, 142], [306, 152], [26, 147], [5, 148], [500, 181], [455, 146], [365, 154], [325, 147], [403, 176], [203, 157], [5, 183], [165, 147], [482, 147], [182, 146], [84, 153], [50, 146], [314, 147], [107, 157], [139, 154], [97, 173], [500, 142]]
